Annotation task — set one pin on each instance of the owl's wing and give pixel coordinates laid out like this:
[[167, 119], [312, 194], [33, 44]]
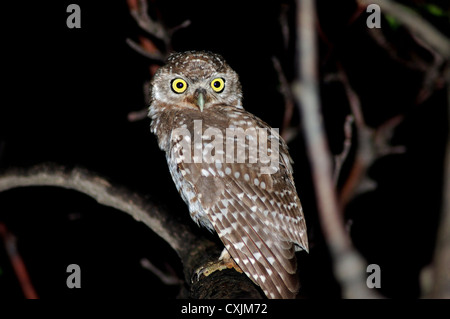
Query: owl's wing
[[255, 240], [274, 194], [257, 216]]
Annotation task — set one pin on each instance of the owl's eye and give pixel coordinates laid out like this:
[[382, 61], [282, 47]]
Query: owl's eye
[[218, 85], [179, 85]]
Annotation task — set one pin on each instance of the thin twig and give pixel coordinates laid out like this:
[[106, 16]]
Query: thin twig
[[433, 76], [147, 47], [284, 24], [17, 263], [138, 115], [348, 265], [383, 134], [155, 28], [154, 56], [340, 158], [140, 14], [414, 63], [372, 144], [182, 25], [285, 90], [142, 114], [358, 181], [167, 279]]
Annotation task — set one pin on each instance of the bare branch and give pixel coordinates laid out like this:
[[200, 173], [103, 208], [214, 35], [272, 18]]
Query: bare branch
[[340, 158], [147, 47], [433, 76], [157, 29], [348, 264], [284, 24], [372, 144], [103, 192], [154, 56], [139, 11], [415, 24], [183, 25], [17, 263], [383, 134], [415, 63], [143, 113], [285, 90], [194, 250], [441, 272], [137, 115], [167, 279]]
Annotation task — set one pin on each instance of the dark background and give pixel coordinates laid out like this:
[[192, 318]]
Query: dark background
[[66, 96]]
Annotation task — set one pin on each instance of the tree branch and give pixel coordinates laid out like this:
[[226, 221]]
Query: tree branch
[[415, 24], [340, 158], [433, 77], [372, 143], [285, 90], [147, 47], [348, 265], [139, 11], [441, 275], [17, 263], [168, 279], [154, 55], [193, 250]]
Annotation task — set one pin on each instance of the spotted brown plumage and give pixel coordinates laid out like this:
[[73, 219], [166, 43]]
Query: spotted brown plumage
[[255, 212]]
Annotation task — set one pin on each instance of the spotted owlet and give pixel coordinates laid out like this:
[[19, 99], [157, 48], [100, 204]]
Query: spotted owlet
[[231, 168]]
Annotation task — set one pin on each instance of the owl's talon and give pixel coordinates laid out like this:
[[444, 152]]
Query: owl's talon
[[224, 262]]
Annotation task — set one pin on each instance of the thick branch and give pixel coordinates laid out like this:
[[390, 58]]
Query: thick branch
[[104, 193], [193, 250], [348, 265]]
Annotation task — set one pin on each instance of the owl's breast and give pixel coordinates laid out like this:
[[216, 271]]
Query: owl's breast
[[194, 192]]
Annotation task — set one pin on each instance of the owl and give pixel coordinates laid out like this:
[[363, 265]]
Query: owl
[[231, 168]]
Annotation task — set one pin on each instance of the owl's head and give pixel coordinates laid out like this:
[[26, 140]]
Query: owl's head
[[195, 80]]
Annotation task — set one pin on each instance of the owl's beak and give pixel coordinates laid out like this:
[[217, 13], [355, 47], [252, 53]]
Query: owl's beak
[[200, 96]]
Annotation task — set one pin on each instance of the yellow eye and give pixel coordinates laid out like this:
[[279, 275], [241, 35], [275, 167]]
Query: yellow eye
[[179, 85], [218, 85]]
